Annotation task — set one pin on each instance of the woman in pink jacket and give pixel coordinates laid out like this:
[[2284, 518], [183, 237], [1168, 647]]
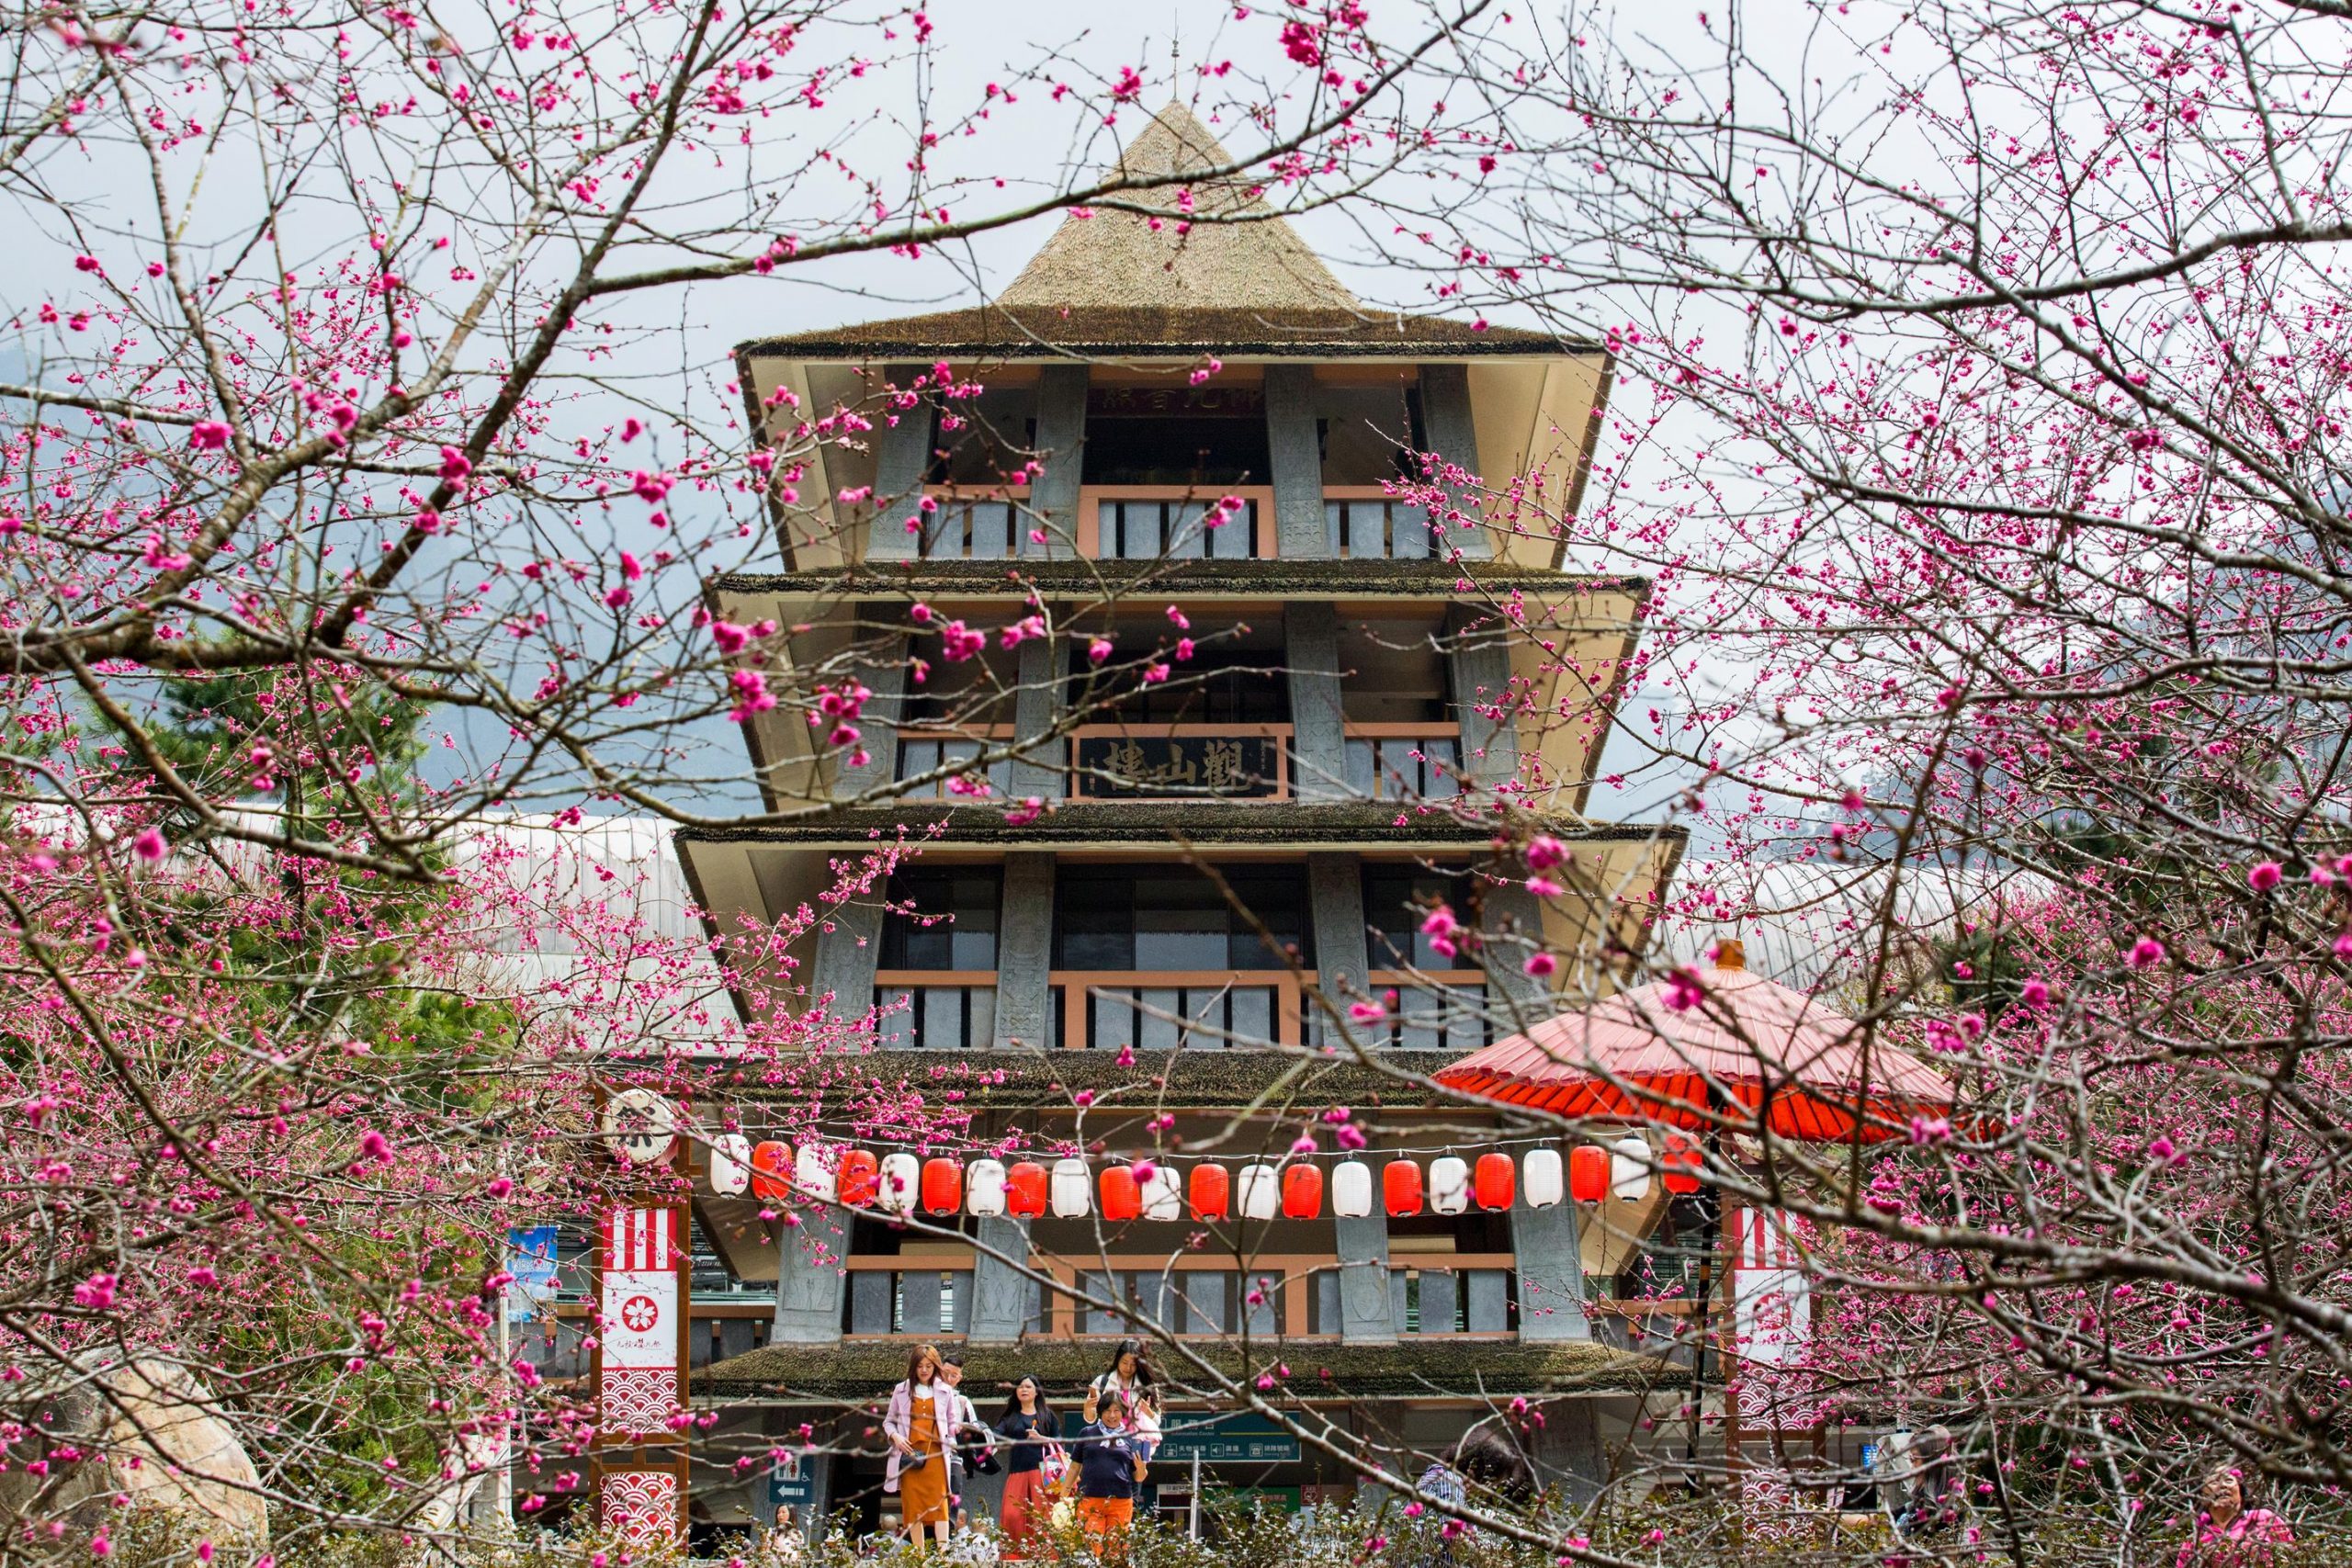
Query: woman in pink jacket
[[2229, 1534], [921, 1423]]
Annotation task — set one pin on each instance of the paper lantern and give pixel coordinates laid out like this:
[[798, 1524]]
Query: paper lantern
[[1211, 1193], [1495, 1181], [813, 1175], [1163, 1195], [1303, 1192], [1629, 1168], [901, 1174], [984, 1193], [1681, 1162], [858, 1180], [1351, 1190], [1542, 1180], [1024, 1185], [771, 1169], [1449, 1185], [1588, 1173], [1071, 1200], [943, 1186], [1400, 1189], [1122, 1195], [730, 1164], [1258, 1192]]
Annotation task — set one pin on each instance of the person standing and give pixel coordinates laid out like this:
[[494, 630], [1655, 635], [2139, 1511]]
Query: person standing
[[2229, 1533], [970, 1447], [1106, 1476], [1028, 1427], [921, 1424], [1128, 1378]]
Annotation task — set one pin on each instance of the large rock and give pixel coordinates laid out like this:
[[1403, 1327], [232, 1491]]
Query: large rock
[[147, 1430]]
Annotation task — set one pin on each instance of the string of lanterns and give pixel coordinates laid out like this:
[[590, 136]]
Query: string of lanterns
[[900, 1183]]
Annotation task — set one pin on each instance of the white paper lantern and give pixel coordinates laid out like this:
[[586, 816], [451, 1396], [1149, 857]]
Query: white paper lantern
[[1073, 1193], [640, 1126], [1259, 1193], [1542, 1180], [730, 1165], [1163, 1195], [984, 1189], [1351, 1190], [1449, 1185], [1629, 1168], [812, 1171], [901, 1182]]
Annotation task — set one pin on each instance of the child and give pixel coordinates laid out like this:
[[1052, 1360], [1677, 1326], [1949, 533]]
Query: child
[[1146, 1431]]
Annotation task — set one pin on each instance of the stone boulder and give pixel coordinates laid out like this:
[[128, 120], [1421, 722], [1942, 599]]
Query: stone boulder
[[147, 1429]]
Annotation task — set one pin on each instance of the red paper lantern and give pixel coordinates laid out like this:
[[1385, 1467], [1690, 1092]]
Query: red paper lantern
[[1211, 1193], [858, 1181], [1497, 1181], [771, 1169], [943, 1186], [1681, 1162], [1588, 1173], [1122, 1194], [1303, 1192], [1400, 1185], [1025, 1189]]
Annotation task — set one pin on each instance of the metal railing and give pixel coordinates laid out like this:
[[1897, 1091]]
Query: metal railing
[[1149, 522], [972, 528], [1434, 1011], [934, 1009], [1366, 522], [1176, 1009], [1404, 762]]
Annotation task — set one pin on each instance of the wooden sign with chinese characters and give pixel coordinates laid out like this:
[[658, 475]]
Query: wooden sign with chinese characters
[[1228, 767], [1209, 398]]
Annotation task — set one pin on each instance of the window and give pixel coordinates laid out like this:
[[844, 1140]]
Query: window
[[1160, 450], [1136, 917], [1231, 686], [941, 918], [1397, 899]]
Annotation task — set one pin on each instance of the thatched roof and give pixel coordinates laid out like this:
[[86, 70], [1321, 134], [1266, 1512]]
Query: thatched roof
[[1229, 277], [1290, 825], [1427, 1367], [1371, 578], [1014, 1080]]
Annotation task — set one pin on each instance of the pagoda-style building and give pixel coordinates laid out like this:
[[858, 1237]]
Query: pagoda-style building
[[1192, 421]]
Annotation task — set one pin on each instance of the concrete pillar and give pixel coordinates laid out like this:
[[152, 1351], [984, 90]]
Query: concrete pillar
[[1042, 770], [1447, 426], [1567, 1450], [1342, 952], [1061, 441], [1296, 458], [808, 1277], [1319, 769], [1551, 1272], [999, 1291], [885, 675], [1025, 949], [1365, 1314], [901, 457], [848, 947], [1479, 664]]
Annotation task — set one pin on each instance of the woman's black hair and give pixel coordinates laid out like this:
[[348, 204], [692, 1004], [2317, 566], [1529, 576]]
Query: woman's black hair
[[1012, 1397], [1131, 1347], [1488, 1458]]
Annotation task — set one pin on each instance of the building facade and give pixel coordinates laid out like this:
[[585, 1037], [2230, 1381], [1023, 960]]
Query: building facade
[[1161, 434]]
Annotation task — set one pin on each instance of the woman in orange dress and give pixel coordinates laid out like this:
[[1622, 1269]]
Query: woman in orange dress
[[921, 1414]]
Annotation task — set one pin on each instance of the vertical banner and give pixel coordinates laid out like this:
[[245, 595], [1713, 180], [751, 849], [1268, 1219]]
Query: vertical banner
[[641, 1338], [643, 1507], [1773, 1319]]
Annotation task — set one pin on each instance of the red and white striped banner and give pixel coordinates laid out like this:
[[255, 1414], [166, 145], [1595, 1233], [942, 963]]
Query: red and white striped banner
[[640, 1239]]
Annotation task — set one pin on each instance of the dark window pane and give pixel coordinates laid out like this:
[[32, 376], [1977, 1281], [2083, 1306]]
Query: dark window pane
[[1119, 918], [1397, 899], [942, 920]]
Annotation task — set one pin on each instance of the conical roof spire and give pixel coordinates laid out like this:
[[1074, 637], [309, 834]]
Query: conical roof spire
[[1234, 254]]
